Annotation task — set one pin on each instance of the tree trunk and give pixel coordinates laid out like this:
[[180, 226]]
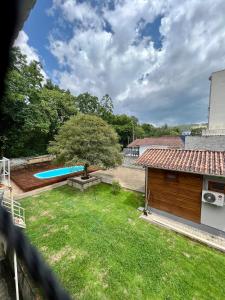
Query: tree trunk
[[86, 175]]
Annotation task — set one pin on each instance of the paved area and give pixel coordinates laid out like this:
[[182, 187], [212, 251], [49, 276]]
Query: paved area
[[19, 194], [38, 191], [15, 190], [133, 179], [214, 241]]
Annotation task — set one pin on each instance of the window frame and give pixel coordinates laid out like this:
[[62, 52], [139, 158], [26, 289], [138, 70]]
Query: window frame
[[215, 189]]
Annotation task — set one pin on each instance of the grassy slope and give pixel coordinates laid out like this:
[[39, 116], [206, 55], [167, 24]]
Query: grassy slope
[[100, 249]]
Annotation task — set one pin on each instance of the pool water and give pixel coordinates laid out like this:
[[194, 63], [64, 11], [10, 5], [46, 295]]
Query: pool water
[[58, 172]]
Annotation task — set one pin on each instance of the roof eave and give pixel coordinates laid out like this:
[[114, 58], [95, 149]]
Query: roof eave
[[25, 6], [181, 171]]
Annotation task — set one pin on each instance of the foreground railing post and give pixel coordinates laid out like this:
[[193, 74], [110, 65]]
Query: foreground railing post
[[14, 258], [16, 276]]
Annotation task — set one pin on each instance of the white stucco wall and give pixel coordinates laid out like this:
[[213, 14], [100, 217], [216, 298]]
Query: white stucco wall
[[212, 215], [217, 101]]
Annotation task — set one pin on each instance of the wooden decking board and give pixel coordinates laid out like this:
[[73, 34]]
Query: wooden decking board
[[24, 178]]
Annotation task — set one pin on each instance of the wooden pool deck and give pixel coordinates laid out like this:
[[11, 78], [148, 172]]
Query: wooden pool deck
[[25, 180]]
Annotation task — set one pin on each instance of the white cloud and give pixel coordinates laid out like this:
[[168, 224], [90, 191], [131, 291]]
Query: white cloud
[[168, 85], [22, 42]]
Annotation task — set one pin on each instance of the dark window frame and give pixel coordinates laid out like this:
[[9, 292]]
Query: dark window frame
[[216, 186]]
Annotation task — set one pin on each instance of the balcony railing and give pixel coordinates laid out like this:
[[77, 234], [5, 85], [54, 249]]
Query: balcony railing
[[131, 151], [18, 212]]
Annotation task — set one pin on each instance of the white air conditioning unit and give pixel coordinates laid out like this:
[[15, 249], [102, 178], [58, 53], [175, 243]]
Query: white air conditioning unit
[[213, 198]]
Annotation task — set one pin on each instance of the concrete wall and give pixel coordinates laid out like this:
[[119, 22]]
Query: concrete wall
[[18, 163], [130, 162], [212, 215], [207, 132], [216, 143], [217, 101]]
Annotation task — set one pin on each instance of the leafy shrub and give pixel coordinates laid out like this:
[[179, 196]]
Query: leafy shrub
[[116, 187]]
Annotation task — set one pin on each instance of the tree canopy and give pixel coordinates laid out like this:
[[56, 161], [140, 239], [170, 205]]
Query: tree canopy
[[33, 109], [31, 113], [86, 139]]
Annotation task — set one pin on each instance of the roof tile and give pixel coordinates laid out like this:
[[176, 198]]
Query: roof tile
[[170, 141], [194, 161]]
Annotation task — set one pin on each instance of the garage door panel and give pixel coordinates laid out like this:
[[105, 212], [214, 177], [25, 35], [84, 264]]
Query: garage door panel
[[181, 197], [173, 199], [178, 211]]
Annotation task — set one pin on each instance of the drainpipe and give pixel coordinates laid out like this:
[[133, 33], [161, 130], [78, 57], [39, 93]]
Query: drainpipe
[[146, 192]]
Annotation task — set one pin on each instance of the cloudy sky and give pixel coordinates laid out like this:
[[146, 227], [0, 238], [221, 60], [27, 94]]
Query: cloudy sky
[[153, 57]]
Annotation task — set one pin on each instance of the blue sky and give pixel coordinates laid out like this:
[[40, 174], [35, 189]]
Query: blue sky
[[153, 57], [38, 27]]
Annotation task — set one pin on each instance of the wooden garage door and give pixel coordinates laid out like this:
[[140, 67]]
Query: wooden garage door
[[176, 193]]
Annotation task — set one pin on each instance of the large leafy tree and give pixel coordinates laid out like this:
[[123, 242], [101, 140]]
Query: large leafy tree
[[86, 139], [88, 104], [197, 131], [58, 106], [30, 113], [44, 118], [126, 127], [165, 130], [106, 108], [23, 84]]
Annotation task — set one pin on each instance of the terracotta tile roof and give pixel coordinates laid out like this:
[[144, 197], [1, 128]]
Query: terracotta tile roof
[[170, 141], [194, 161]]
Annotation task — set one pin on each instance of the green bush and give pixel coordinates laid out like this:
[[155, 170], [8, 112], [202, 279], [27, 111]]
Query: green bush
[[116, 187]]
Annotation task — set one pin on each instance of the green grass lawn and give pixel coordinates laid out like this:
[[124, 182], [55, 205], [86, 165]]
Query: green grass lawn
[[100, 249]]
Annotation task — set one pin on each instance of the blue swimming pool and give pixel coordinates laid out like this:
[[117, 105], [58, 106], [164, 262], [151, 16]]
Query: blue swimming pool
[[58, 172]]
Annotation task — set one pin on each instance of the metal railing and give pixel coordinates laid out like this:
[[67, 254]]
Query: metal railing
[[18, 211], [5, 171], [131, 151]]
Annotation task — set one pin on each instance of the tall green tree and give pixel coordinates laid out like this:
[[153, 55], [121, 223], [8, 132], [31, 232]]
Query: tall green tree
[[165, 130], [106, 107], [31, 114], [59, 106], [88, 104], [149, 129], [23, 84], [126, 127], [86, 139], [197, 130]]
